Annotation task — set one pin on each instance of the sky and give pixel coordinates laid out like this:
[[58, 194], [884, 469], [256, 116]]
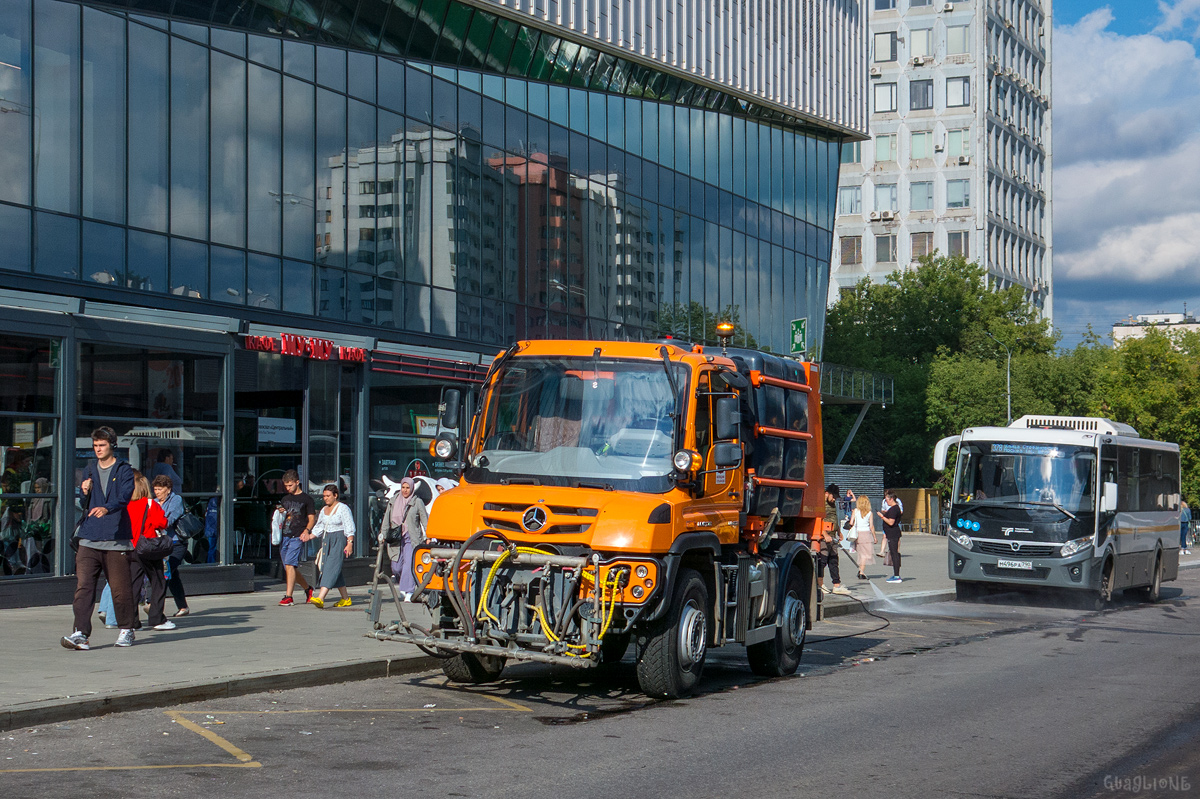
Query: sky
[[1126, 168]]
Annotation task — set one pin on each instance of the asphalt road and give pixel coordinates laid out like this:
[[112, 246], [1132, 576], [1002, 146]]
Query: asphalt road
[[1014, 696]]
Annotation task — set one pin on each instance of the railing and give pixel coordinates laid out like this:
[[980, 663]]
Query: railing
[[851, 384]]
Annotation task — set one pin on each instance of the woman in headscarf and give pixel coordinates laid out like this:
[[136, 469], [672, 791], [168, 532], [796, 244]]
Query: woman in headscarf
[[440, 487], [404, 528]]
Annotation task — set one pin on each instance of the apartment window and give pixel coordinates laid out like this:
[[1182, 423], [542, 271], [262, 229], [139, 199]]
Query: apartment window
[[958, 92], [959, 244], [958, 194], [916, 3], [885, 97], [920, 95], [920, 195], [921, 144], [366, 187], [921, 42], [885, 249], [366, 234], [850, 200], [885, 46], [958, 39], [385, 187], [885, 5], [922, 245], [851, 250], [366, 212], [852, 153], [885, 147], [958, 142], [885, 197]]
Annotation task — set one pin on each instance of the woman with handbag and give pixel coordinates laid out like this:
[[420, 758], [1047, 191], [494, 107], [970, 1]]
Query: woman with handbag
[[404, 528], [151, 546], [335, 528], [862, 528]]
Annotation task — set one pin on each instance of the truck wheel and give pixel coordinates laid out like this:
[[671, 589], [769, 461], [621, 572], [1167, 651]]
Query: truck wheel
[[780, 656], [1153, 592], [671, 652], [472, 668]]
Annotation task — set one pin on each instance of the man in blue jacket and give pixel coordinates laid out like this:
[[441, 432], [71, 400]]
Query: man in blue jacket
[[105, 540]]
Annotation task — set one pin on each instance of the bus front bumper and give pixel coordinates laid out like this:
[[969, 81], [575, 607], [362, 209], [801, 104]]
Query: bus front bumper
[[1078, 571]]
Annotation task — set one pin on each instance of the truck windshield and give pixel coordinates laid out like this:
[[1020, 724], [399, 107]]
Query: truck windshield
[[572, 421], [1011, 473]]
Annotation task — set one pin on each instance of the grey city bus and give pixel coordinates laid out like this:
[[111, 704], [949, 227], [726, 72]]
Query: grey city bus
[[1066, 502]]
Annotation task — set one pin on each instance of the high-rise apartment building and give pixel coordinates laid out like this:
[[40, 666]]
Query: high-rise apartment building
[[959, 156]]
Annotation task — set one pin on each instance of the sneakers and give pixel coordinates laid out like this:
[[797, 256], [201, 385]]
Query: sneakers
[[287, 600], [841, 589], [181, 612], [826, 589], [166, 625], [125, 638], [343, 603], [308, 594], [894, 579], [316, 600], [75, 640]]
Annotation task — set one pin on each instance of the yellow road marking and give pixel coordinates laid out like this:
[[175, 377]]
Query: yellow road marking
[[210, 735], [251, 764], [508, 703], [354, 710]]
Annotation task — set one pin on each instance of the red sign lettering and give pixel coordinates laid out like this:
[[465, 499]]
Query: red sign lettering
[[321, 349], [262, 343]]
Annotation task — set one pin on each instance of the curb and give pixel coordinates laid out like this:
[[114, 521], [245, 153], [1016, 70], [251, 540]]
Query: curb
[[72, 709]]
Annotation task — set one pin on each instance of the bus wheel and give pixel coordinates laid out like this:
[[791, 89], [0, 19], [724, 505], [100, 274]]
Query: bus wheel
[[1153, 592], [472, 668], [671, 651], [1105, 594], [780, 656]]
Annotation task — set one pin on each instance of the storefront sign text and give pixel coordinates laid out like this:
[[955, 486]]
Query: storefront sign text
[[321, 349]]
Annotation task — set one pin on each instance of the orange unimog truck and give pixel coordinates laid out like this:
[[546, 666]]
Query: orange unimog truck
[[658, 494]]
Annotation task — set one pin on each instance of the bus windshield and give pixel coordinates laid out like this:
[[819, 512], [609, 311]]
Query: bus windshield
[[580, 421], [1012, 473]]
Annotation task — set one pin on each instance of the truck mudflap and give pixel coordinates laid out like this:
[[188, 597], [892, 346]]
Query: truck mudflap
[[513, 602]]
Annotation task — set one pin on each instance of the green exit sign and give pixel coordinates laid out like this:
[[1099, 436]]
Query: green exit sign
[[799, 336]]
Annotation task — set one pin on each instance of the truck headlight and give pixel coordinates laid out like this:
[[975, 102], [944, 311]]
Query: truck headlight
[[962, 539], [687, 461], [443, 446], [1075, 546]]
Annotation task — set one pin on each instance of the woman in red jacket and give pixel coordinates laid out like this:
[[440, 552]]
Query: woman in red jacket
[[148, 520]]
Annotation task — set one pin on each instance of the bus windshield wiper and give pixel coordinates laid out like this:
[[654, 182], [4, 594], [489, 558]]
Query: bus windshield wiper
[[1054, 505], [1001, 503]]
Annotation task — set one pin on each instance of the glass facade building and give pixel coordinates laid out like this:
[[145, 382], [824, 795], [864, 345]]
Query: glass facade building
[[318, 213]]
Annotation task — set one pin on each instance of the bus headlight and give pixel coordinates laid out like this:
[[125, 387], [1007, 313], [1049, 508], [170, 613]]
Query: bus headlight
[[1077, 545], [962, 539]]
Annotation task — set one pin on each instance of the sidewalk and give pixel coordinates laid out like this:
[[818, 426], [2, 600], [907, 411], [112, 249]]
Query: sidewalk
[[244, 643]]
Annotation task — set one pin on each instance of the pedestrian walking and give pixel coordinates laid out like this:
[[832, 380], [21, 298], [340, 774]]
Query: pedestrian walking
[[1185, 521], [404, 528], [299, 518], [172, 506], [105, 537], [335, 526], [826, 542], [148, 521], [890, 515], [862, 521]]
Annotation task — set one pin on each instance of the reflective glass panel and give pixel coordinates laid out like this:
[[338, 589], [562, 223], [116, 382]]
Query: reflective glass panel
[[14, 233], [228, 154], [16, 123], [189, 139], [103, 116], [103, 254], [57, 104], [57, 239], [147, 142]]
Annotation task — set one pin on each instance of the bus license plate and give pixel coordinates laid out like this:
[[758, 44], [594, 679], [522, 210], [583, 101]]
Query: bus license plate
[[1026, 565]]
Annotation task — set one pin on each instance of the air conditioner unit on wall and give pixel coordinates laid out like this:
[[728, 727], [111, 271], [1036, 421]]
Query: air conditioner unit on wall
[[919, 61], [963, 160], [937, 148], [876, 72], [874, 216], [887, 216], [948, 7]]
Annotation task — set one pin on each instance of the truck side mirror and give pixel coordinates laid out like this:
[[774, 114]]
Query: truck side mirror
[[1108, 500], [448, 408], [728, 418], [727, 455]]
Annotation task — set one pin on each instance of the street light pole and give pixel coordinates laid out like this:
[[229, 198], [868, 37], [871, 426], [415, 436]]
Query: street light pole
[[1007, 375]]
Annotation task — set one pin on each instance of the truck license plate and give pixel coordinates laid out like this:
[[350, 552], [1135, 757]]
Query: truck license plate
[[1026, 565]]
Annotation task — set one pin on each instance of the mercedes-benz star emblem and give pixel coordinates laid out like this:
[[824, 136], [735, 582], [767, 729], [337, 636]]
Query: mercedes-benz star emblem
[[533, 519]]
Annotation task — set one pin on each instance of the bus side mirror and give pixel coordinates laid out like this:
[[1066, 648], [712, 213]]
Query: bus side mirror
[[728, 418], [727, 454], [448, 409], [1108, 500]]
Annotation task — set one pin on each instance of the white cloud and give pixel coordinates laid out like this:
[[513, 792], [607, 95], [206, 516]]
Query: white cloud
[[1177, 14], [1127, 155]]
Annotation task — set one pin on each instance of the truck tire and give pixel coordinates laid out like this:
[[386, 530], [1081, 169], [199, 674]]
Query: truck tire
[[472, 668], [671, 651], [780, 656]]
